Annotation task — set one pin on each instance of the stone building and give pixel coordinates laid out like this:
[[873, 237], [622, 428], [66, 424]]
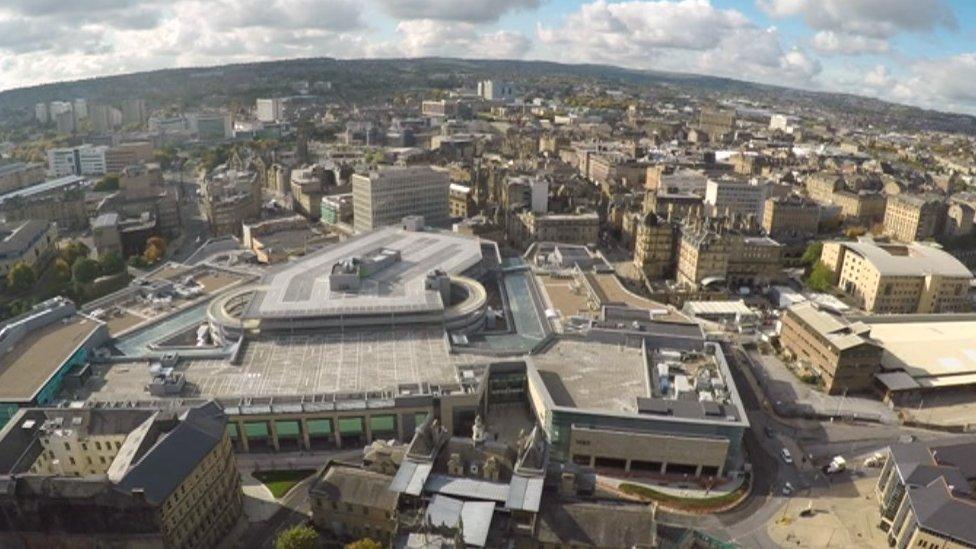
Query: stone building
[[120, 477]]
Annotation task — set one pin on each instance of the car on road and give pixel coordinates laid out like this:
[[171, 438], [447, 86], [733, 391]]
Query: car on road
[[787, 489], [770, 433], [787, 456]]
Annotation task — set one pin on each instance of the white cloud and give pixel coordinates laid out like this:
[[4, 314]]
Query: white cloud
[[863, 26], [686, 35], [470, 11], [943, 84], [831, 42], [68, 43], [427, 37]]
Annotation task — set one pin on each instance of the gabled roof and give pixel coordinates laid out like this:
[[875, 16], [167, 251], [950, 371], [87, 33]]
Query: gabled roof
[[176, 453]]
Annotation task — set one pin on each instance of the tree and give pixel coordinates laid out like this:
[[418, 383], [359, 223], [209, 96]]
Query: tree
[[73, 250], [111, 263], [157, 242], [299, 536], [85, 270], [364, 543], [62, 270], [108, 183], [21, 278], [155, 249], [812, 254], [138, 262], [820, 278]]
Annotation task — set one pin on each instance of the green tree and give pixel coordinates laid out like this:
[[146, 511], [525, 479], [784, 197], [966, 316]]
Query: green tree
[[85, 270], [21, 278], [111, 263], [812, 254], [820, 278], [299, 536], [138, 262], [108, 183]]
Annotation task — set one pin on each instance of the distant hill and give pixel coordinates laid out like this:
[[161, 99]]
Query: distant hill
[[362, 80]]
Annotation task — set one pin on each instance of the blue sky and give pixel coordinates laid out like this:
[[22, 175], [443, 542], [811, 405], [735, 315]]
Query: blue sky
[[921, 52]]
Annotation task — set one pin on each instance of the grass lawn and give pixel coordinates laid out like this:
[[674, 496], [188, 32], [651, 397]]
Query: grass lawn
[[279, 482], [688, 504]]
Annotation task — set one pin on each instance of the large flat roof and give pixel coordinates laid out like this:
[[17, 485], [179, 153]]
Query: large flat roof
[[353, 361], [301, 287], [47, 186], [913, 259], [35, 358], [935, 351], [593, 375]]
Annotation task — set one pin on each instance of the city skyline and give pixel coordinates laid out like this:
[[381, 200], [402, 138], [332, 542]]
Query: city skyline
[[921, 53]]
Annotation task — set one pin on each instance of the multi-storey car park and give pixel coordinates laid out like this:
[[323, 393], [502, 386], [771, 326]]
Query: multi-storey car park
[[363, 340]]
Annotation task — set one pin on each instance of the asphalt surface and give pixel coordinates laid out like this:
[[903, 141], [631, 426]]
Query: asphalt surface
[[812, 443]]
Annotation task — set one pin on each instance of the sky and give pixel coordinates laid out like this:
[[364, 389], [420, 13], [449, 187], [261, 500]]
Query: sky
[[918, 52]]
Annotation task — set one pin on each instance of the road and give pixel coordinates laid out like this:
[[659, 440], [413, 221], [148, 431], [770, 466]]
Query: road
[[811, 444], [193, 227]]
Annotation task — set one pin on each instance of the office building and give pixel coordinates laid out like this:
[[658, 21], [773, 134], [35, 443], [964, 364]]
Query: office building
[[386, 195], [28, 242], [925, 493], [80, 160], [336, 208], [726, 197], [307, 188], [910, 218], [269, 110], [842, 353], [212, 126], [791, 218], [127, 154], [493, 90], [119, 477], [899, 278]]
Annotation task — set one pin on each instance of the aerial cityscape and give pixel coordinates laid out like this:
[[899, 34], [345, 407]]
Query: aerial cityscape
[[540, 295]]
